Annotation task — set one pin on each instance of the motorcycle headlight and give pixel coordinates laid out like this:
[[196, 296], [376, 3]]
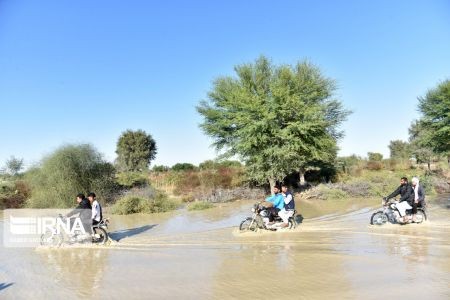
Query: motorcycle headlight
[[253, 209]]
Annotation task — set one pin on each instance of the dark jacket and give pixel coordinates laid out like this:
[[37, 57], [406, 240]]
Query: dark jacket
[[406, 193], [84, 209]]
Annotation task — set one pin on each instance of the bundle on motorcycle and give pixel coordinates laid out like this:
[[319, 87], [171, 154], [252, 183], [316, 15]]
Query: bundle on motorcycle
[[259, 220], [97, 235], [390, 213]]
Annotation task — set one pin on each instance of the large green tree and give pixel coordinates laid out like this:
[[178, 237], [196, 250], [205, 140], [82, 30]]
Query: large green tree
[[435, 109], [135, 150], [276, 118], [421, 148], [400, 150]]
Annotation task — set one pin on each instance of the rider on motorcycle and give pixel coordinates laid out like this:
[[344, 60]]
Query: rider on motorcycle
[[289, 206], [419, 196], [97, 214], [84, 210], [274, 204], [406, 193]]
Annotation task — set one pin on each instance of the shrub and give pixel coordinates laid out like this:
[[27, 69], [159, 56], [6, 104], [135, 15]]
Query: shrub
[[183, 167], [211, 164], [69, 170], [200, 205], [131, 179], [160, 168], [135, 203], [325, 192], [374, 156], [374, 165]]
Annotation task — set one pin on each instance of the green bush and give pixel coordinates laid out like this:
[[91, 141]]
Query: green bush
[[131, 204], [211, 164], [200, 205], [160, 168], [183, 167], [132, 179], [327, 193], [69, 170]]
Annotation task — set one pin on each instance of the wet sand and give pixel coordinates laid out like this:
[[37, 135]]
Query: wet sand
[[202, 255]]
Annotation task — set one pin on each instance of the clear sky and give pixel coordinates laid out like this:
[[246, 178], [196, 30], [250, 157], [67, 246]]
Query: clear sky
[[85, 71]]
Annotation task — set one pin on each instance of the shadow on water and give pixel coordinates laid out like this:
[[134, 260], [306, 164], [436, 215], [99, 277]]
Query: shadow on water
[[121, 234], [5, 285]]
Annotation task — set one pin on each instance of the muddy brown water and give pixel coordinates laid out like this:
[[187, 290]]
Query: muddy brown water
[[202, 255]]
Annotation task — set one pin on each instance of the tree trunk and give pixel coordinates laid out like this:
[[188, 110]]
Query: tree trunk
[[429, 166], [301, 176], [272, 184]]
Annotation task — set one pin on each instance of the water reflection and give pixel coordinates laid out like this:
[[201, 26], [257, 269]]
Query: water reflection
[[80, 270]]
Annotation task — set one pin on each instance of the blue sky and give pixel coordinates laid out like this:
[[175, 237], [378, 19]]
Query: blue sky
[[85, 71]]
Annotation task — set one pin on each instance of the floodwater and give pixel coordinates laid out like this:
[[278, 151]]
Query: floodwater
[[202, 255]]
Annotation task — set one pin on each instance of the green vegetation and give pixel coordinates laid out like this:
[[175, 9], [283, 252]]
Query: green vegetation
[[69, 170], [160, 168], [183, 167], [13, 193], [400, 150], [200, 205], [14, 165], [430, 135], [135, 150], [139, 203], [132, 179], [193, 183], [277, 119], [435, 120]]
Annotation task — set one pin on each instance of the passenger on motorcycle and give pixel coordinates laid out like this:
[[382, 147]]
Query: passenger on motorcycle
[[419, 197], [406, 197], [84, 210], [289, 206], [274, 204], [97, 214]]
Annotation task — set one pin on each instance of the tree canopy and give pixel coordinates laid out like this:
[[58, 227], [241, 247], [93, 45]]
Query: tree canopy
[[400, 150], [135, 150], [277, 119], [435, 109], [14, 165]]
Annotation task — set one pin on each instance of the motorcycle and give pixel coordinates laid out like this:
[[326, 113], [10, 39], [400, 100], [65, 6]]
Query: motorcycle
[[391, 214], [55, 239], [260, 218]]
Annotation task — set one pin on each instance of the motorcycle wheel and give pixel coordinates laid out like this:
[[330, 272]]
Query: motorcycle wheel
[[50, 239], [420, 216], [378, 218], [103, 236], [247, 224]]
